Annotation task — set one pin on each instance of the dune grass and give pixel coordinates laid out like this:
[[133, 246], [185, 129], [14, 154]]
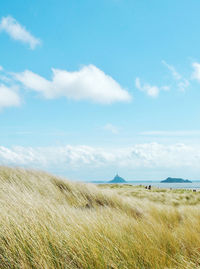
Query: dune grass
[[49, 222], [175, 197]]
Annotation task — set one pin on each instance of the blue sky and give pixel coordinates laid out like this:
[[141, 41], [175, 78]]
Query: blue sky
[[91, 88]]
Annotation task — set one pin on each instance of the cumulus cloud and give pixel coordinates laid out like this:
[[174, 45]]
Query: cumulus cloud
[[73, 156], [17, 32], [89, 83], [8, 97], [151, 155]]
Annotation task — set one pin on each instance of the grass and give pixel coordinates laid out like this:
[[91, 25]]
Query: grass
[[175, 197], [49, 222]]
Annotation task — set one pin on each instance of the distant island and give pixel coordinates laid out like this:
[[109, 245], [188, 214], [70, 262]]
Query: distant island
[[117, 179], [175, 180]]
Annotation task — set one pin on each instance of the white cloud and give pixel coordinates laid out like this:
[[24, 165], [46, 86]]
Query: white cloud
[[182, 83], [67, 156], [110, 127], [8, 97], [17, 32], [139, 156], [196, 73], [89, 83], [152, 91], [172, 69]]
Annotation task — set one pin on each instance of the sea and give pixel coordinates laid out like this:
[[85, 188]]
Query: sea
[[194, 185]]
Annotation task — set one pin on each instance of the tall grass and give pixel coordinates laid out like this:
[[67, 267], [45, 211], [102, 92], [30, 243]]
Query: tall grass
[[48, 222]]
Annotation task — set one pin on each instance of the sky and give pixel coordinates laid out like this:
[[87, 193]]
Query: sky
[[91, 88]]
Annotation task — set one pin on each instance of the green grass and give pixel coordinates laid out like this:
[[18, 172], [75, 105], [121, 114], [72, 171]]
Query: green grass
[[49, 222]]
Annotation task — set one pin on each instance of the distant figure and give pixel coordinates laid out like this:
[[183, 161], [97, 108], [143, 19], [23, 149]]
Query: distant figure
[[149, 187], [146, 187], [194, 190]]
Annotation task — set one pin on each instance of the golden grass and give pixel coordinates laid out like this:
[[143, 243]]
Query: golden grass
[[175, 197], [48, 222]]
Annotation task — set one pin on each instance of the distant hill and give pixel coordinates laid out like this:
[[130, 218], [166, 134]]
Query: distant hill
[[117, 179], [175, 180]]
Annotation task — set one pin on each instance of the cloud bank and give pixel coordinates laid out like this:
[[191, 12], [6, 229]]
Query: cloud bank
[[139, 156], [17, 32]]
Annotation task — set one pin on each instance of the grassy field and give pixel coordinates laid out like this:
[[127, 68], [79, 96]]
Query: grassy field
[[47, 222]]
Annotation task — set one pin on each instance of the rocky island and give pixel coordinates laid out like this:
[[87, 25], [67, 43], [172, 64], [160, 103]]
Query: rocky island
[[175, 180], [117, 179]]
